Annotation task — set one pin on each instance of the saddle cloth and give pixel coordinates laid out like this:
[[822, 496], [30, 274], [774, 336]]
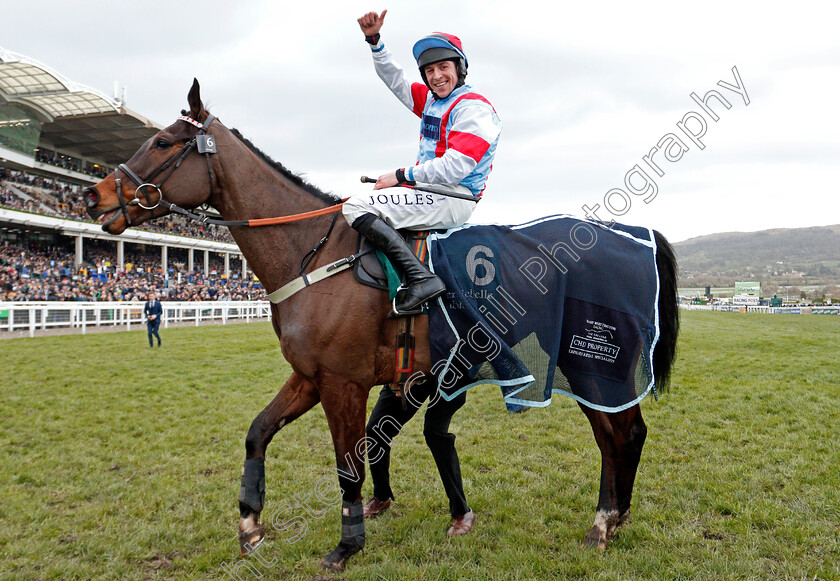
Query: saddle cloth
[[558, 305]]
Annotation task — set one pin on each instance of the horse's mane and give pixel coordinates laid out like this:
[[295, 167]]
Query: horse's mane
[[295, 178]]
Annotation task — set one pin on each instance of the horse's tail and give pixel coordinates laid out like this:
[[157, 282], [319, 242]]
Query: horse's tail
[[669, 316]]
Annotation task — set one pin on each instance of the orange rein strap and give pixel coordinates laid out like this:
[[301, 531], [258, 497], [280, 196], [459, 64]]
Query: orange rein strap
[[297, 217], [257, 222]]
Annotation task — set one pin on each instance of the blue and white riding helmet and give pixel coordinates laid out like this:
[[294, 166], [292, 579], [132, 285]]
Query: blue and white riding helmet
[[437, 47]]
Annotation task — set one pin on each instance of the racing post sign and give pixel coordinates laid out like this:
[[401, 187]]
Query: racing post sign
[[747, 293]]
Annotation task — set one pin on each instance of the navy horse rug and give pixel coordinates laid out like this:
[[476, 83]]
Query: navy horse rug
[[558, 305]]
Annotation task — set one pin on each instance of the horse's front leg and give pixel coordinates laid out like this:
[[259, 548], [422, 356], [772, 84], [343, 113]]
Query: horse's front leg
[[296, 397], [620, 437], [344, 404]]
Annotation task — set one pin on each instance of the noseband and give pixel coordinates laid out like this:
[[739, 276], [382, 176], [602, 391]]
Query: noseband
[[203, 143]]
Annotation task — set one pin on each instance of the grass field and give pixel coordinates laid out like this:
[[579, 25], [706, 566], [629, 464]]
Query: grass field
[[121, 462]]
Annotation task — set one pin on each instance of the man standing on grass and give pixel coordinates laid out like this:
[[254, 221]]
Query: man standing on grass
[[153, 312]]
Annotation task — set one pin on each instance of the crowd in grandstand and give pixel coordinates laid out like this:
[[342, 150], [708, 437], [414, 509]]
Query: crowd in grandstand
[[22, 191], [38, 273], [50, 157], [65, 161]]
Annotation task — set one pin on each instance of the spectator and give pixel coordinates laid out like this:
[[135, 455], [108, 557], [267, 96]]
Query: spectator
[[47, 273], [153, 312]]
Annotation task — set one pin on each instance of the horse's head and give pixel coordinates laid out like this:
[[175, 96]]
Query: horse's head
[[164, 171]]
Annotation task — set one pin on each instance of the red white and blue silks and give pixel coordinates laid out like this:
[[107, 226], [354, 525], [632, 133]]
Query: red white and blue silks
[[558, 305], [458, 134]]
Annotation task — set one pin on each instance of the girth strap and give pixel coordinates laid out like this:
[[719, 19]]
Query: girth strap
[[319, 274]]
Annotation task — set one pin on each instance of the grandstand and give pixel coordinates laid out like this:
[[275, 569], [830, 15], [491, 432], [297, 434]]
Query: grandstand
[[57, 137]]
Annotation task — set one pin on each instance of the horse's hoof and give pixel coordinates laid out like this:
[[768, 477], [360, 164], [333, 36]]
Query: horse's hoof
[[594, 540], [249, 542], [337, 566], [603, 529], [337, 559], [251, 535]]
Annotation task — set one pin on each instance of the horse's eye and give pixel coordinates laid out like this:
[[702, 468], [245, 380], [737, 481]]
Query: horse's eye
[[162, 144]]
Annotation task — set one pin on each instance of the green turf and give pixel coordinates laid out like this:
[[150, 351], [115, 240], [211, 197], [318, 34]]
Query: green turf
[[122, 462]]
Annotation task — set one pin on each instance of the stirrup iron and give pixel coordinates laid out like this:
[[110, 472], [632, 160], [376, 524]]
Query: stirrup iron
[[395, 314]]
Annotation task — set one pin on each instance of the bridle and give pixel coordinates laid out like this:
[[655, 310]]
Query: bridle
[[205, 144], [202, 142]]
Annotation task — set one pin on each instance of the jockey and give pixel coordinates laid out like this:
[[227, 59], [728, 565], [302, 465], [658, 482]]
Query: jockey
[[459, 133]]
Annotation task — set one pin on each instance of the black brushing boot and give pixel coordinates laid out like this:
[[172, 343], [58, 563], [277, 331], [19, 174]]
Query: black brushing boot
[[421, 285]]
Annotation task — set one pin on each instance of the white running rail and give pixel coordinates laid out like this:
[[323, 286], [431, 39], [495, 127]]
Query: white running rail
[[39, 316]]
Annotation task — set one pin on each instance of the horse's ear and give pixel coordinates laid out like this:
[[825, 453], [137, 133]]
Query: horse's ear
[[194, 99]]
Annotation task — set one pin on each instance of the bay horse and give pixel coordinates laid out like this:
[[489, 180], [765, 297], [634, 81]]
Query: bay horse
[[336, 335]]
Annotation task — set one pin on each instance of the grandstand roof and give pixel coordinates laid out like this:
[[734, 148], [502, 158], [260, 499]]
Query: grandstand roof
[[75, 118]]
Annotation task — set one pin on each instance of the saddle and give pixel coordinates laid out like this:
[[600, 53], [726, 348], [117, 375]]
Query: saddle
[[373, 268]]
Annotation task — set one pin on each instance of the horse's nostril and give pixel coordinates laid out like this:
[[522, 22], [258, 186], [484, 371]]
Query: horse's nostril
[[91, 197]]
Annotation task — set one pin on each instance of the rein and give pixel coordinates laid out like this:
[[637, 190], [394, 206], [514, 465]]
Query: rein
[[255, 222]]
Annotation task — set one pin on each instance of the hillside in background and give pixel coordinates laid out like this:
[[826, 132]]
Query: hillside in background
[[783, 257]]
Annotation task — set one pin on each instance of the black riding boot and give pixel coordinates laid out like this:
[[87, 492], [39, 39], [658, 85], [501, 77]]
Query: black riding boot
[[420, 285]]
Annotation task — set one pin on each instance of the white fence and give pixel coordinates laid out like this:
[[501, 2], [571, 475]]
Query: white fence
[[774, 310], [83, 315]]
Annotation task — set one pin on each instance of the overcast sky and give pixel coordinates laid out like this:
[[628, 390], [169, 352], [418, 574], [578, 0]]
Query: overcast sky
[[585, 91]]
